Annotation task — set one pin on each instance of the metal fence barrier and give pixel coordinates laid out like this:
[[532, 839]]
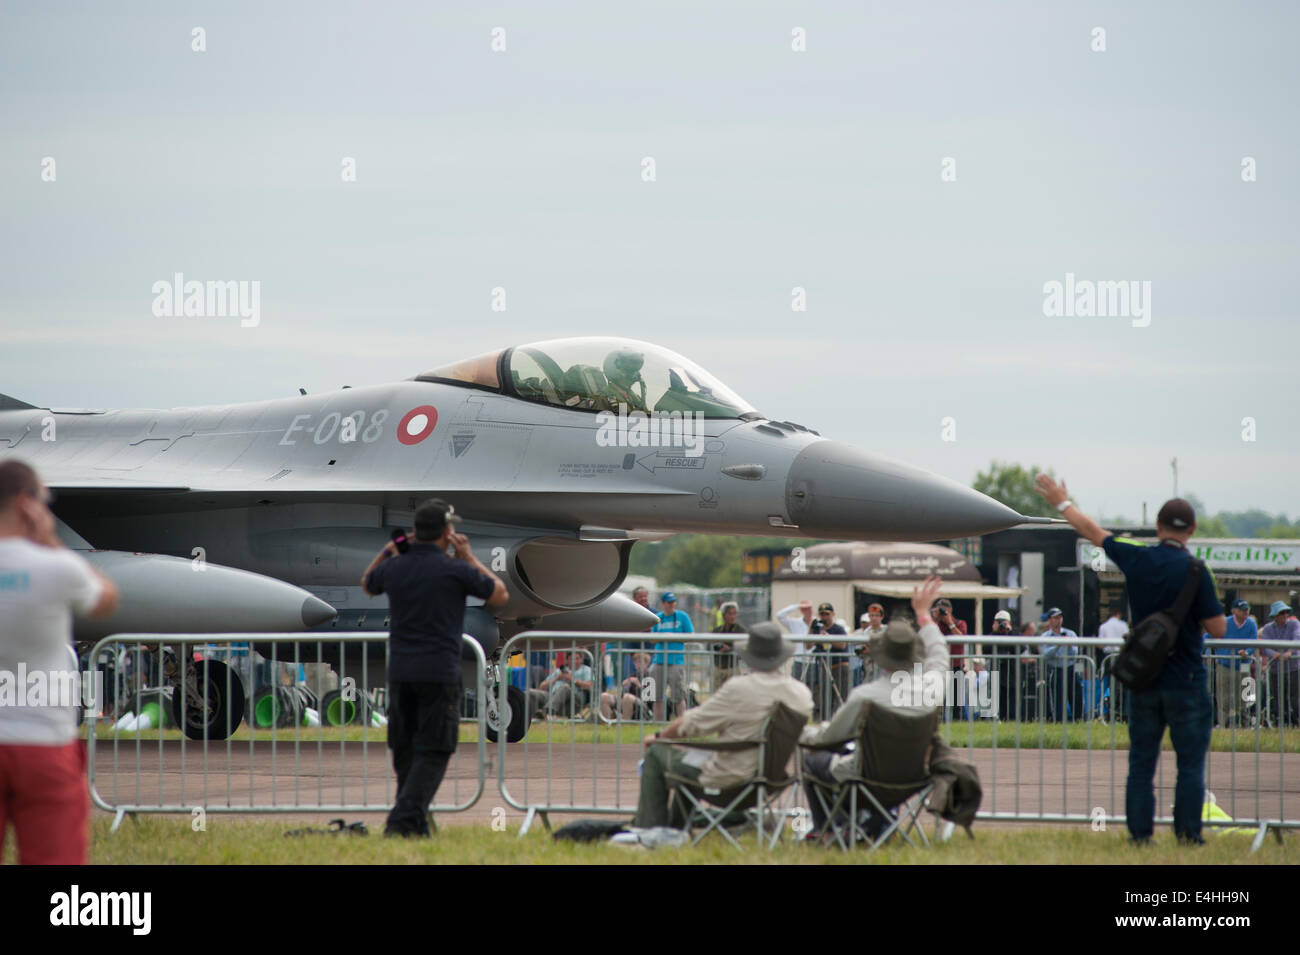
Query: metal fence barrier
[[288, 755], [1042, 718]]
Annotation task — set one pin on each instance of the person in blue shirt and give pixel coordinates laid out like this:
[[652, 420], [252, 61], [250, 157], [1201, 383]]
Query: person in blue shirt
[[1180, 696], [1230, 665], [668, 670], [1065, 698], [1283, 665]]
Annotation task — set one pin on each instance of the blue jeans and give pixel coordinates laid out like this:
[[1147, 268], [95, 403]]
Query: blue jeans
[[1189, 714]]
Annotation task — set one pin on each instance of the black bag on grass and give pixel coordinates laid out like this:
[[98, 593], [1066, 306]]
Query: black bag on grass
[[589, 830]]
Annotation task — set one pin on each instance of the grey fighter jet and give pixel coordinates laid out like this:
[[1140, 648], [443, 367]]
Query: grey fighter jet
[[559, 455]]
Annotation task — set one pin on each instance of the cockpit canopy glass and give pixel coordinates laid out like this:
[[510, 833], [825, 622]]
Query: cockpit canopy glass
[[599, 374]]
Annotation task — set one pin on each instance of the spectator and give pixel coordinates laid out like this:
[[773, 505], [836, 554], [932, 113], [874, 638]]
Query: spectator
[[1006, 666], [798, 618], [724, 656], [899, 648], [1155, 574], [872, 626], [1114, 628], [735, 712], [669, 668], [1283, 666], [1029, 677], [626, 649], [426, 598], [1230, 663], [950, 626], [831, 674], [978, 695], [1063, 688], [568, 688], [42, 758], [632, 695]]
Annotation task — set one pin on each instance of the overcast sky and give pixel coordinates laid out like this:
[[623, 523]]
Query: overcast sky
[[775, 169]]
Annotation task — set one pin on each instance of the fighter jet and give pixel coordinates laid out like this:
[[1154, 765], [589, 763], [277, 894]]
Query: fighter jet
[[559, 455]]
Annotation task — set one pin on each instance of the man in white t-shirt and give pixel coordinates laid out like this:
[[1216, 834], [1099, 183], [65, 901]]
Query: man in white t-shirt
[[42, 758], [797, 618], [1115, 627]]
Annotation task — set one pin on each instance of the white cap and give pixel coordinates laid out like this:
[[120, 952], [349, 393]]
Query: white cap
[[1002, 615]]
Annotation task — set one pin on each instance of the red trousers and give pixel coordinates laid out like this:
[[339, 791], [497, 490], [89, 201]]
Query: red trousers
[[43, 793]]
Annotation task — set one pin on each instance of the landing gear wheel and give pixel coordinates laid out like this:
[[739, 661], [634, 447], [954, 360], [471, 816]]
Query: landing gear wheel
[[215, 717], [514, 718], [336, 711]]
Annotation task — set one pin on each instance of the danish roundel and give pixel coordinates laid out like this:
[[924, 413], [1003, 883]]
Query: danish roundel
[[417, 424]]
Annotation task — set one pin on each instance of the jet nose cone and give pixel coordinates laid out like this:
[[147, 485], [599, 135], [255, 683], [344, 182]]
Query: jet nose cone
[[835, 490], [316, 611]]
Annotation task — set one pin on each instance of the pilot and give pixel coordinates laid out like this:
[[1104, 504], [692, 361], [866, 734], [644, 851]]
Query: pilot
[[623, 372]]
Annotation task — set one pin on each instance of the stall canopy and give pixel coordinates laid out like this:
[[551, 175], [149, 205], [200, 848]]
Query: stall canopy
[[887, 569]]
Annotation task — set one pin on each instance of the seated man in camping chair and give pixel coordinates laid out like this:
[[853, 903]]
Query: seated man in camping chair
[[737, 711], [899, 687]]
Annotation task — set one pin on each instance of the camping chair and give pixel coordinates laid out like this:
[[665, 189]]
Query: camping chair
[[894, 750], [713, 808]]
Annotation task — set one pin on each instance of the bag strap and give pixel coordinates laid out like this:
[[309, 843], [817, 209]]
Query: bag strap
[[1184, 602]]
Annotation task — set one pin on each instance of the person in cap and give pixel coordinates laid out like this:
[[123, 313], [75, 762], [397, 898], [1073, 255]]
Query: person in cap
[[1064, 692], [1180, 697], [896, 653], [1283, 665], [669, 667], [426, 591], [1231, 665], [1008, 666], [735, 712], [829, 676]]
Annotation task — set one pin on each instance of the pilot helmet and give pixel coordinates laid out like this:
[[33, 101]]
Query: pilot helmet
[[623, 366]]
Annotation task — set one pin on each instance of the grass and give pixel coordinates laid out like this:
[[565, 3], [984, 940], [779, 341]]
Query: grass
[[979, 734], [170, 840]]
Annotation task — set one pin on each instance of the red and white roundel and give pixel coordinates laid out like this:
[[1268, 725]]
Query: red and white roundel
[[417, 424]]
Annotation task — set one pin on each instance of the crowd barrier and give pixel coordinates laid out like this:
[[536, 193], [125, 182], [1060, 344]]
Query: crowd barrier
[[1041, 718], [287, 756]]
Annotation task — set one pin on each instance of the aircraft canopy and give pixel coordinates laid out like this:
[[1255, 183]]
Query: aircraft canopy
[[598, 374]]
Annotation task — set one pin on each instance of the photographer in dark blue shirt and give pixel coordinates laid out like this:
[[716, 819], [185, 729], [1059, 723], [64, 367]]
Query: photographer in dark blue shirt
[[1180, 696], [426, 591]]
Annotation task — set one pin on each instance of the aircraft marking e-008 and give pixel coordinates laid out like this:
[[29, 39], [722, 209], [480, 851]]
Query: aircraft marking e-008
[[347, 428]]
